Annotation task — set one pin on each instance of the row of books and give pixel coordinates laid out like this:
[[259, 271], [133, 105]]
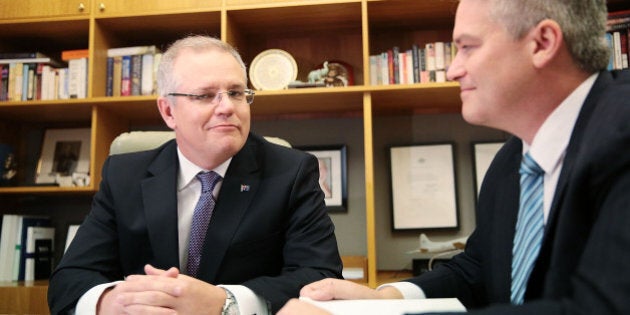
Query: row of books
[[26, 247], [132, 70], [35, 76], [618, 36], [419, 64]]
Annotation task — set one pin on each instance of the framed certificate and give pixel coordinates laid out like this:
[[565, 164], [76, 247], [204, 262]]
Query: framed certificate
[[424, 193]]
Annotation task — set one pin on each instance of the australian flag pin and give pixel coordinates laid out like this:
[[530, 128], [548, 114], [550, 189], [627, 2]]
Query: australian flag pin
[[244, 187]]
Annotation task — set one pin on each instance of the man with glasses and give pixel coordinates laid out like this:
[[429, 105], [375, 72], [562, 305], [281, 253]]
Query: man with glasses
[[266, 232]]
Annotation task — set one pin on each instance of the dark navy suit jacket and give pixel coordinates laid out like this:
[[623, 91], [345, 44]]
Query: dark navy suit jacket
[[584, 263], [273, 237]]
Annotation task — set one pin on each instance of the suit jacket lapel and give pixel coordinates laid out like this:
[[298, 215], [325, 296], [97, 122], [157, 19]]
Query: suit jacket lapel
[[159, 196], [241, 182], [506, 212]]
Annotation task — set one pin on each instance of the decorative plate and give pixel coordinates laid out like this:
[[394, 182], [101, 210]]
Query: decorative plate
[[273, 69]]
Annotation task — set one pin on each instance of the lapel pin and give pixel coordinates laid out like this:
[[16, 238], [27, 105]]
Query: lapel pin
[[244, 188]]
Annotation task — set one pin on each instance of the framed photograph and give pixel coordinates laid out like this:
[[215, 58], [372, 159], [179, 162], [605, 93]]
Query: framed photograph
[[483, 153], [64, 152], [72, 231], [424, 194], [332, 175]]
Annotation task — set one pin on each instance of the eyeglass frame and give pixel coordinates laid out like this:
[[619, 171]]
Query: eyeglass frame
[[248, 93]]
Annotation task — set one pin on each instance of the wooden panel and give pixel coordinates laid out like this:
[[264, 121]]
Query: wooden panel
[[128, 8], [12, 9], [270, 3], [359, 262], [23, 298]]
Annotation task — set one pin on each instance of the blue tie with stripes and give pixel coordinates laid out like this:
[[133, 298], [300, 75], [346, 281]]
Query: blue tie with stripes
[[529, 227], [201, 218]]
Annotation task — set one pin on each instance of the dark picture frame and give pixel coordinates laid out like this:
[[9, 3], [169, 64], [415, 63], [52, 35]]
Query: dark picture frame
[[333, 174], [64, 152], [483, 154], [424, 190]]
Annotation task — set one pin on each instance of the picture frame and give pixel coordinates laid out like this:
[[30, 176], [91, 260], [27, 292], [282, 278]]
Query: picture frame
[[64, 152], [71, 232], [423, 183], [483, 154], [333, 174]]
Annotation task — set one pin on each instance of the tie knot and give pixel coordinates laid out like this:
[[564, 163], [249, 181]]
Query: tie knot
[[208, 180], [529, 166]]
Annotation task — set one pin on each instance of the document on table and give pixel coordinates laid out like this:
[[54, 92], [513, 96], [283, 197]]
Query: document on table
[[389, 307]]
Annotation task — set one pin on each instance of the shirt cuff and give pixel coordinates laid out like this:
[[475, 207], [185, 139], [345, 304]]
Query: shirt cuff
[[247, 301], [407, 289], [87, 302]]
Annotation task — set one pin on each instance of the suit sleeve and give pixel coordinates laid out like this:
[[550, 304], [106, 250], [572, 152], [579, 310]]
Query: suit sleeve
[[310, 250], [91, 258]]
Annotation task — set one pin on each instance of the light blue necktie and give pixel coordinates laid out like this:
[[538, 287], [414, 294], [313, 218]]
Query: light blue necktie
[[529, 227], [200, 220]]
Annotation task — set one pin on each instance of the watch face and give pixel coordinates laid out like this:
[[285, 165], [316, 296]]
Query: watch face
[[231, 309]]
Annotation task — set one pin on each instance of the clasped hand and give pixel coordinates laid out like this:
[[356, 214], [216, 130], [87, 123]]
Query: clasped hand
[[162, 292]]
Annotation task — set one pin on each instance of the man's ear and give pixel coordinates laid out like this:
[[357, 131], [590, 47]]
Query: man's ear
[[165, 106], [547, 40]]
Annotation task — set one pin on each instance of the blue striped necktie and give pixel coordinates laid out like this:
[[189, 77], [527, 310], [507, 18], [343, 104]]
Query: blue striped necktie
[[529, 227], [200, 220]]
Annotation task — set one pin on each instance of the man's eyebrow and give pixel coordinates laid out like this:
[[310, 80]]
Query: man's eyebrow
[[463, 37]]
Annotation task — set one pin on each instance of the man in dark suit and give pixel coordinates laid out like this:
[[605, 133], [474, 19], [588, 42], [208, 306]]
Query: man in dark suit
[[534, 68], [268, 235]]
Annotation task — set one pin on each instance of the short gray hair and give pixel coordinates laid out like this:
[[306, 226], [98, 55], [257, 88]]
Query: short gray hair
[[167, 82], [583, 24]]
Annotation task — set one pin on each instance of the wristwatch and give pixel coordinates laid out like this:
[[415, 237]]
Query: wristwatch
[[230, 307]]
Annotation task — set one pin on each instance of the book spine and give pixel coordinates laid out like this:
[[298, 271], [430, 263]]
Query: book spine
[[136, 74], [623, 40], [109, 79], [424, 74], [385, 68], [617, 50], [31, 85], [402, 67], [146, 83], [64, 83], [415, 55], [24, 80], [4, 83], [430, 60], [409, 66], [373, 70], [19, 77], [125, 78], [395, 65], [117, 76]]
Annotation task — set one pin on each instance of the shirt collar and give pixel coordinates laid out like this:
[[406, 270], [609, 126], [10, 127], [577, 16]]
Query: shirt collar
[[188, 170], [551, 140]]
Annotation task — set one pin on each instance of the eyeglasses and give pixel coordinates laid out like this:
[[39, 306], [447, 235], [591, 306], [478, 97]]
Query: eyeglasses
[[246, 95]]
